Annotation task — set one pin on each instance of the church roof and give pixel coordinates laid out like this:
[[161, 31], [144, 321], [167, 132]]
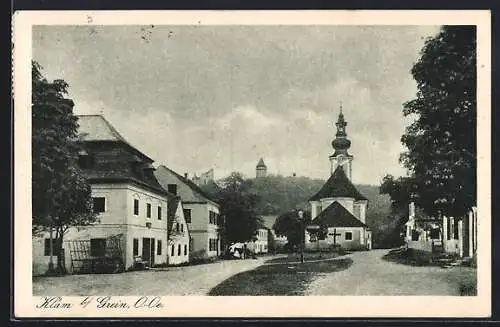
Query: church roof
[[261, 163], [337, 186], [335, 215]]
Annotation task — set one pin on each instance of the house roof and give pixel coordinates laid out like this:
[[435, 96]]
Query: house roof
[[95, 128], [335, 215], [338, 185], [268, 221], [198, 195]]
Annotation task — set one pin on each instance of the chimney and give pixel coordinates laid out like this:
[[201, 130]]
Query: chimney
[[186, 175]]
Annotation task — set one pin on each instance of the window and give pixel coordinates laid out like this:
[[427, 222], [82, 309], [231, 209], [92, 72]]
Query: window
[[455, 228], [212, 217], [136, 207], [182, 227], [148, 210], [187, 215], [159, 213], [158, 247], [185, 249], [172, 251], [177, 227], [97, 247], [99, 204], [179, 249], [136, 247], [172, 188], [85, 161], [212, 245], [55, 250], [348, 236]]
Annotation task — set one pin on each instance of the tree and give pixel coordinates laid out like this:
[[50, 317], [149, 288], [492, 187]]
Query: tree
[[441, 142], [238, 204], [288, 224], [61, 195]]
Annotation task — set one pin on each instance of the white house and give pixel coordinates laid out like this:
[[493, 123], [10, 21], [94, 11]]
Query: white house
[[452, 235], [260, 244], [178, 233], [201, 213], [130, 203]]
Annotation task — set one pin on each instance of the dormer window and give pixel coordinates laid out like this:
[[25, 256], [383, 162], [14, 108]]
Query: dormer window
[[84, 159], [172, 188]]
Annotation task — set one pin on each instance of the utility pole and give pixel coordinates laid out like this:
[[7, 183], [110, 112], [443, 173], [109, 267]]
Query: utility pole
[[303, 236]]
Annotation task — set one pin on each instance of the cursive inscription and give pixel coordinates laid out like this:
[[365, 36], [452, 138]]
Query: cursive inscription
[[102, 302], [53, 302]]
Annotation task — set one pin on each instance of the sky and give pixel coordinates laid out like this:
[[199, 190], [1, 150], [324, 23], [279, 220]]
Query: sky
[[199, 97]]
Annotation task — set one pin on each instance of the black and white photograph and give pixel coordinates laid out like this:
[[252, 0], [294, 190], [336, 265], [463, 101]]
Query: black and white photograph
[[214, 159]]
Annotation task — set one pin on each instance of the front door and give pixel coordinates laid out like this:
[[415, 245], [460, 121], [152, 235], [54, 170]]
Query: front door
[[148, 250]]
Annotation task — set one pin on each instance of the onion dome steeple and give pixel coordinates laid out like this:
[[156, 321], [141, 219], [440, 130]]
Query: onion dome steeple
[[341, 143]]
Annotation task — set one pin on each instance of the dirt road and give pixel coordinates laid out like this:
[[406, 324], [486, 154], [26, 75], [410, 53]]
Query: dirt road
[[370, 274], [189, 280]]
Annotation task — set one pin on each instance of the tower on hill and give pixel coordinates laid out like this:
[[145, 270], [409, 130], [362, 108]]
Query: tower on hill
[[261, 169], [341, 144]]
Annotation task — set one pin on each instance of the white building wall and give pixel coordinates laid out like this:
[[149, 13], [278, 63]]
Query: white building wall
[[177, 239], [118, 218], [201, 230]]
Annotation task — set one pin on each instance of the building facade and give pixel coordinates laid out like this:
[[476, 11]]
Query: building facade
[[338, 209], [201, 213], [452, 235], [260, 245], [130, 203], [178, 233]]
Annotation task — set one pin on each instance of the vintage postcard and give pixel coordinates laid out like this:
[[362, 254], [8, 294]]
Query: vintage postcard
[[252, 164]]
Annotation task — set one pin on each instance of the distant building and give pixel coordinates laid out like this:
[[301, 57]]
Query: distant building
[[204, 178], [261, 169], [260, 244], [201, 213], [338, 207]]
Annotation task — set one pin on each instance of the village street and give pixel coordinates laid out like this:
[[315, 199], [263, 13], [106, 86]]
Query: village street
[[187, 280], [370, 274]]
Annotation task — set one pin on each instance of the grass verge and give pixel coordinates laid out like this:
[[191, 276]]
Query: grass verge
[[278, 279]]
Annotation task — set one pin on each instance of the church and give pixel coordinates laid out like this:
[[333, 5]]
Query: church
[[338, 209]]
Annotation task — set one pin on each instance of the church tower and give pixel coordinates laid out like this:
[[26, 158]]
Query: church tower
[[341, 144], [261, 169]]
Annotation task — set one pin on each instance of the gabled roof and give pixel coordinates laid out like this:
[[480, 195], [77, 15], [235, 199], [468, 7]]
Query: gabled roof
[[335, 215], [268, 220], [338, 185], [95, 128], [198, 195]]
